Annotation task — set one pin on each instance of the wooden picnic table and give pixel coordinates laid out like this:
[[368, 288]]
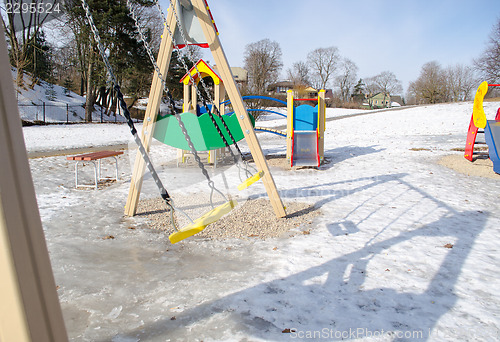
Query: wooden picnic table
[[93, 157]]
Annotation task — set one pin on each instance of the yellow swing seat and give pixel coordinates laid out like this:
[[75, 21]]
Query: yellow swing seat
[[199, 224], [251, 180]]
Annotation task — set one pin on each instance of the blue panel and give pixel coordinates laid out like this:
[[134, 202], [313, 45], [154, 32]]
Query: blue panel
[[201, 109], [492, 135], [305, 118]]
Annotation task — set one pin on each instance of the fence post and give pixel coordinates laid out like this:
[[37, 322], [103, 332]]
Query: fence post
[[67, 113], [43, 112]]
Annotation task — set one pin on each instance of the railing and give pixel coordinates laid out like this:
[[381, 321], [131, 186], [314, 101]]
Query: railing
[[49, 112]]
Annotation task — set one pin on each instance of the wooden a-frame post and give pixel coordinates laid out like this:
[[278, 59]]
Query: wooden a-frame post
[[29, 305], [224, 70]]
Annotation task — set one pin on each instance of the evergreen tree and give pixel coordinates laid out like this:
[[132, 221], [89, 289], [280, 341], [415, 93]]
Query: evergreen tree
[[359, 88], [38, 54], [120, 39], [68, 85]]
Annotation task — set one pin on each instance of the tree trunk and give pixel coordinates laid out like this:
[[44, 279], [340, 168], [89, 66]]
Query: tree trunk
[[90, 100], [82, 86]]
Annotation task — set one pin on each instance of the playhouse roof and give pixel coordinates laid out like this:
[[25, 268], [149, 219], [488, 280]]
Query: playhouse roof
[[204, 70]]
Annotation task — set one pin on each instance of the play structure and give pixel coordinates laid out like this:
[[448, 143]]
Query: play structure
[[204, 135], [306, 131], [491, 130], [305, 128]]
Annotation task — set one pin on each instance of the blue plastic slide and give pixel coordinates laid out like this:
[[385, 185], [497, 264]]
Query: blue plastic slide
[[492, 135]]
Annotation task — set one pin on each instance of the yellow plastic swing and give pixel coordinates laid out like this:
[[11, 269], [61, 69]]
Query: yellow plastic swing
[[199, 224], [251, 180]]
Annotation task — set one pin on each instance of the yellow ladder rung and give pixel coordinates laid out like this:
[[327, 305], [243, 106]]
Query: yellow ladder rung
[[251, 180], [199, 224]]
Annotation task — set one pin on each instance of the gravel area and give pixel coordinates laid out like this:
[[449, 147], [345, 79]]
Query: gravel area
[[252, 218], [479, 168]]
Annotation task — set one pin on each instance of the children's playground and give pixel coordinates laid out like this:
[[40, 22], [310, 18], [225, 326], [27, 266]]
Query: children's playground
[[310, 223]]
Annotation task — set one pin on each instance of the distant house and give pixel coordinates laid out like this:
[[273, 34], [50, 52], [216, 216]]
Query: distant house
[[280, 88], [240, 75], [379, 100], [310, 93], [329, 97], [306, 92]]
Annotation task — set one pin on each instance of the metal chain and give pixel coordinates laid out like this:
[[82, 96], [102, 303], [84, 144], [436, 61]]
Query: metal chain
[[171, 103], [126, 113]]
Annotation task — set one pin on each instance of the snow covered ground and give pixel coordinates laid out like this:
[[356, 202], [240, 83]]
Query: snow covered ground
[[405, 249]]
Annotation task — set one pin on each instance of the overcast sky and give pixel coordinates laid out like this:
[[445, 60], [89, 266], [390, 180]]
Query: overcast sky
[[377, 35]]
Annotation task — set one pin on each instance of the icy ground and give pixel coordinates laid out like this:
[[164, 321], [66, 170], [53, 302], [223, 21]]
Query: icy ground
[[405, 250]]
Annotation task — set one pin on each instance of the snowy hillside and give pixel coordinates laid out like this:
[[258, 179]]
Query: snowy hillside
[[61, 105]]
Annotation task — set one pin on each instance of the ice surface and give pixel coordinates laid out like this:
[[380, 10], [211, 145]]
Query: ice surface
[[374, 267]]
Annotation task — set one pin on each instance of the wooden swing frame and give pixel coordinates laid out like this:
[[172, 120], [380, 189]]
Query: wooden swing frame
[[163, 61]]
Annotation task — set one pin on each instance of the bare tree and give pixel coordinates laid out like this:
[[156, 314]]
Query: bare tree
[[299, 74], [263, 61], [386, 83], [430, 86], [370, 86], [347, 78], [323, 63], [489, 62], [460, 82], [22, 29], [120, 39]]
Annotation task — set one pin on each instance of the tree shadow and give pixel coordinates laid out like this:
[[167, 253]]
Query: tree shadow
[[337, 295]]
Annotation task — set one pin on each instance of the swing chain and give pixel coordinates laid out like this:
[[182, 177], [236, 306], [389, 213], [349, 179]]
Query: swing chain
[[126, 113]]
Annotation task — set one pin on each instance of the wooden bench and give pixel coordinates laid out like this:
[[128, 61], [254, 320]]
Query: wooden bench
[[92, 157]]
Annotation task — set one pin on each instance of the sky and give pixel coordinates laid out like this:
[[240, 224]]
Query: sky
[[377, 35]]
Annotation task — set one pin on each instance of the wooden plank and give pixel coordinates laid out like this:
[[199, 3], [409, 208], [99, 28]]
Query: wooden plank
[[202, 12], [186, 105], [152, 109], [321, 124], [289, 124], [95, 155], [30, 305]]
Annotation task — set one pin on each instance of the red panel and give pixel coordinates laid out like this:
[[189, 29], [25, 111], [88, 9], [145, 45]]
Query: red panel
[[471, 140], [317, 149]]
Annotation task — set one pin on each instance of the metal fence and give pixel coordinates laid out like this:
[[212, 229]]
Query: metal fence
[[49, 112]]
